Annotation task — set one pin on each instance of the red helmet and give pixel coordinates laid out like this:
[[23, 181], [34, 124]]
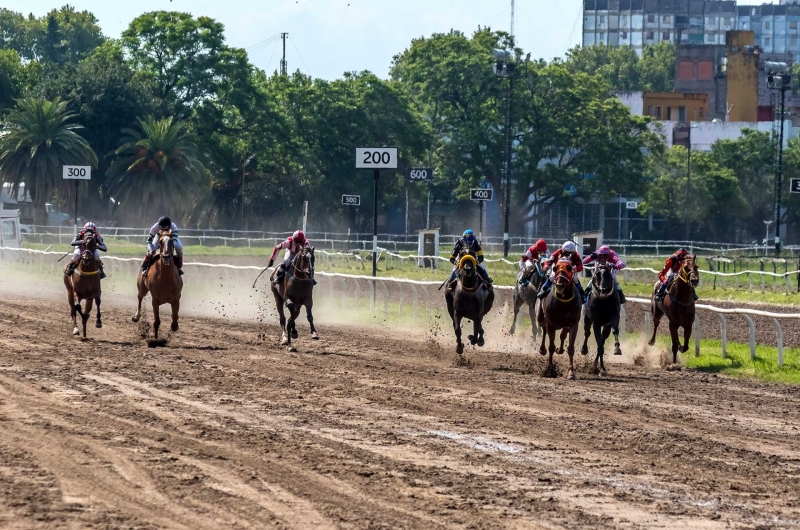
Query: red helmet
[[541, 245], [605, 250], [682, 252], [299, 236]]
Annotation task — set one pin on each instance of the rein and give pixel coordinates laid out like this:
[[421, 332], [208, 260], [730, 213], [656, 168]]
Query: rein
[[569, 281], [304, 272]]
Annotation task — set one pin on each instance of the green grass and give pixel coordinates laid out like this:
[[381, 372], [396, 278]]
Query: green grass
[[737, 363]]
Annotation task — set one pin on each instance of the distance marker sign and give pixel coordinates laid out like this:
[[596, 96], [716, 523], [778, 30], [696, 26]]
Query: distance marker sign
[[376, 158], [481, 194], [351, 200], [794, 185], [420, 174], [77, 172]]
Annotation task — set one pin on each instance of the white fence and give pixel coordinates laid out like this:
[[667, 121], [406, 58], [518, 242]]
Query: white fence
[[420, 295]]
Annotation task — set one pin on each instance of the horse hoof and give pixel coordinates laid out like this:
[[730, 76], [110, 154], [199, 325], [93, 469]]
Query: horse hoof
[[135, 319], [460, 349], [294, 334], [314, 335], [617, 351], [603, 373], [684, 349], [75, 332], [511, 331], [651, 342], [542, 351], [481, 342], [174, 326], [291, 349], [585, 351], [98, 325], [560, 351], [571, 376], [284, 340]]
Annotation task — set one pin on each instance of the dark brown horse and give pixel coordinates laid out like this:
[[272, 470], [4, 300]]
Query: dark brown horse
[[561, 310], [678, 305], [602, 314], [84, 284], [295, 291], [162, 281], [525, 293], [471, 298]]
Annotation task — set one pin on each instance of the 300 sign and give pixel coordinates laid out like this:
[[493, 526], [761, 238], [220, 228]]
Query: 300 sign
[[420, 174], [77, 172]]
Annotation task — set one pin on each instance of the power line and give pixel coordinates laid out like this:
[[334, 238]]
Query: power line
[[308, 70], [271, 56], [262, 43]]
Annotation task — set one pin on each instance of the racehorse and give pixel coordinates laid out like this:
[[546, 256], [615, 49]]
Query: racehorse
[[526, 294], [295, 292], [602, 314], [162, 281], [678, 305], [561, 309], [84, 284], [471, 298]]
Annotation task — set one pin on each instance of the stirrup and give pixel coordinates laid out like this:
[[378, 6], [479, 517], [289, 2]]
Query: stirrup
[[180, 272], [102, 274]]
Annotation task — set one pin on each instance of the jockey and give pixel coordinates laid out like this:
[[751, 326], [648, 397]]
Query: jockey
[[671, 268], [293, 244], [164, 223], [606, 256], [569, 252], [78, 244], [533, 255], [474, 249]]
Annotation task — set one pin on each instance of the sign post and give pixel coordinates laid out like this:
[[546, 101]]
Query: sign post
[[481, 195], [375, 158], [76, 173]]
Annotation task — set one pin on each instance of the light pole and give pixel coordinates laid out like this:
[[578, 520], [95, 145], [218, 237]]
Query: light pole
[[779, 77], [505, 67], [766, 237]]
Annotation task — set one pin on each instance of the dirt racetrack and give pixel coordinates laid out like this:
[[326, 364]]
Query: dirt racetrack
[[370, 428]]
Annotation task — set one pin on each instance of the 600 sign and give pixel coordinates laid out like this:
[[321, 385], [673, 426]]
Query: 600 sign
[[420, 174]]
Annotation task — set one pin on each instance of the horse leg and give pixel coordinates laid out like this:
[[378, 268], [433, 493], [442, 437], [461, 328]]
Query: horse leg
[[85, 315], [176, 306], [687, 334], [551, 335], [657, 314], [293, 312], [615, 330], [587, 330], [478, 327], [99, 322], [457, 327], [72, 311], [142, 292], [676, 342], [156, 320], [573, 335], [564, 333], [517, 305], [545, 334], [600, 336], [534, 325], [310, 318]]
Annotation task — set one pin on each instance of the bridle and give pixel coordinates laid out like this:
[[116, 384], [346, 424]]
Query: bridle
[[299, 273], [165, 246], [562, 274], [599, 270]]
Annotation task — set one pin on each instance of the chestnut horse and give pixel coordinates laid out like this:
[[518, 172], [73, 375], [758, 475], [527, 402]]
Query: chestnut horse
[[84, 284], [678, 305], [162, 281], [561, 310], [295, 292], [471, 298]]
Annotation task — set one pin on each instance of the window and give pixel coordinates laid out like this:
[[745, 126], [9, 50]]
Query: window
[[767, 42], [623, 20], [624, 35], [793, 42], [793, 25], [651, 19], [705, 70], [767, 25], [9, 231], [601, 20], [685, 70], [700, 113], [665, 35], [669, 113], [712, 21], [682, 114], [651, 35], [655, 111], [729, 22], [666, 19]]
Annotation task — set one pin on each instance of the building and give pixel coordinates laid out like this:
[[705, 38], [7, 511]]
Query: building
[[775, 27], [683, 107], [638, 23]]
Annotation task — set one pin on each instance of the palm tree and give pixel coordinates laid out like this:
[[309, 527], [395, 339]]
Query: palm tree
[[36, 140], [156, 170]]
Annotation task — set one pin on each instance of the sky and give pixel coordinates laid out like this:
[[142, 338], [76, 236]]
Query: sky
[[330, 37]]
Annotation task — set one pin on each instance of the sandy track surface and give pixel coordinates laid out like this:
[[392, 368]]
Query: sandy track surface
[[365, 429]]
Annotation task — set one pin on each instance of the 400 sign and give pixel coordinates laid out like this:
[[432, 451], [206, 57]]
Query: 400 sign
[[481, 194]]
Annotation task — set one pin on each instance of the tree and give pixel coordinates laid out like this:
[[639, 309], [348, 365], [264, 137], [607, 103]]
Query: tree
[[107, 96], [39, 138], [156, 170], [657, 67], [623, 70], [12, 78], [66, 35], [18, 33], [713, 197], [186, 57]]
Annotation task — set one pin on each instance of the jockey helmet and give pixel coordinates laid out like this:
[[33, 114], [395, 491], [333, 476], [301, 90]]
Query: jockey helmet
[[165, 222], [469, 236], [90, 226], [569, 247], [605, 250], [682, 252], [299, 236], [541, 245]]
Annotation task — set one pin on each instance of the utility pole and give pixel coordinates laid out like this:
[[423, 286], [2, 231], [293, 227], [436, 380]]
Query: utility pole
[[779, 77], [284, 68], [512, 20]]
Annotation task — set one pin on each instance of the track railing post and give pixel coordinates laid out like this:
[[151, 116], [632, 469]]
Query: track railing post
[[779, 332], [723, 331], [752, 336], [696, 335]]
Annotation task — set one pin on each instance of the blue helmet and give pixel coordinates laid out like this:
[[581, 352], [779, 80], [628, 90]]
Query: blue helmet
[[469, 235]]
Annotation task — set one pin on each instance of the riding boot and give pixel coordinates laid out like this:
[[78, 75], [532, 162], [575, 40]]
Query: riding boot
[[146, 263], [102, 271], [545, 289], [694, 294], [581, 292], [70, 268], [279, 275], [179, 264], [622, 298]]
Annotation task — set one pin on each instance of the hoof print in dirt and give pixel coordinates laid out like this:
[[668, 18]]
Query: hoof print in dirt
[[144, 329], [156, 343], [639, 361], [673, 368], [291, 349], [463, 362]]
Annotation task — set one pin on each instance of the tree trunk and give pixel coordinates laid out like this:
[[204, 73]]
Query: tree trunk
[[39, 213]]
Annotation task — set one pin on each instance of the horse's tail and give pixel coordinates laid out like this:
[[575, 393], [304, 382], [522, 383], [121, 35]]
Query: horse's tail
[[467, 258]]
